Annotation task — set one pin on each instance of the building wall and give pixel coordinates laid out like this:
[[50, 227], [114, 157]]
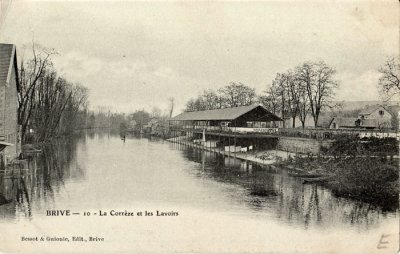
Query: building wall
[[302, 145], [10, 117], [255, 115], [384, 121], [2, 109]]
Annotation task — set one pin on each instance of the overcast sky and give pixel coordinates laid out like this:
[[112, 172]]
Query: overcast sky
[[134, 55]]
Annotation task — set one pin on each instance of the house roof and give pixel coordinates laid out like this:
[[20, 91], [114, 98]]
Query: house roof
[[370, 109], [345, 121], [325, 121], [222, 114], [369, 123], [351, 122], [8, 60], [4, 144]]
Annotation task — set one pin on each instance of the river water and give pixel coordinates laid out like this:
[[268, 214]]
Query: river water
[[215, 204]]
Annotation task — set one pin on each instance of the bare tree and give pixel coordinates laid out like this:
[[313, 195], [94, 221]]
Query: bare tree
[[279, 91], [210, 99], [270, 100], [196, 104], [291, 86], [317, 77], [29, 74], [232, 95], [304, 105], [389, 81], [191, 105], [47, 100], [56, 100], [238, 94]]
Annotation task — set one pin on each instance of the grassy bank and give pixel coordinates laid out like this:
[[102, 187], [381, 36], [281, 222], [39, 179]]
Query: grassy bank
[[362, 169]]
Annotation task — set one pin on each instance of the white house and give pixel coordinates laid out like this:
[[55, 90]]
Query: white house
[[383, 118]]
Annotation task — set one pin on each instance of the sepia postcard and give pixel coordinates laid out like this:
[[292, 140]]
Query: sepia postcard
[[199, 126]]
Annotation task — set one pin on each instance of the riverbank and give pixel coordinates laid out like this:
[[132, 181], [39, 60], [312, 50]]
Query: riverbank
[[269, 157], [367, 177]]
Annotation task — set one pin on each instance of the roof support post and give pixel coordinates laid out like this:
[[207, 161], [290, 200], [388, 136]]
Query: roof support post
[[229, 145], [234, 142]]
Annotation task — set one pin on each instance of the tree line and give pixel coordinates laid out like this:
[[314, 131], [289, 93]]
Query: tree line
[[48, 104], [233, 95], [296, 93], [306, 90]]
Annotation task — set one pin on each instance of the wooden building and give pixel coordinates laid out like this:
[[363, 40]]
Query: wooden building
[[9, 86], [253, 116]]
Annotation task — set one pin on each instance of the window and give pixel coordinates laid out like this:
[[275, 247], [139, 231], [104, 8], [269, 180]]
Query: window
[[250, 124], [225, 124], [381, 112]]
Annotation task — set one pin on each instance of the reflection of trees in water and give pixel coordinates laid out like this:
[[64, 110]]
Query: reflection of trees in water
[[313, 208], [280, 194], [100, 133], [46, 175], [14, 195], [54, 166]]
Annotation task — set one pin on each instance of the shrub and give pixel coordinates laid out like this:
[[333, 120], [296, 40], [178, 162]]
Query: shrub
[[352, 147], [366, 177]]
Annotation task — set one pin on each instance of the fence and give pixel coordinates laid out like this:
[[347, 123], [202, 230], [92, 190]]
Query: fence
[[314, 133], [337, 133]]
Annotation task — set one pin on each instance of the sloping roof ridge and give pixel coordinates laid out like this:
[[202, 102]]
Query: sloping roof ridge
[[12, 63], [219, 109], [371, 108], [224, 113], [12, 57], [344, 117]]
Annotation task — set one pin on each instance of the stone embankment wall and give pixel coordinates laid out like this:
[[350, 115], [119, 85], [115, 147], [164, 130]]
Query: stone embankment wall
[[302, 145]]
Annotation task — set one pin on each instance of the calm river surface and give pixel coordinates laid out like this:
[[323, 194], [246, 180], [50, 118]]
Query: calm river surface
[[222, 204]]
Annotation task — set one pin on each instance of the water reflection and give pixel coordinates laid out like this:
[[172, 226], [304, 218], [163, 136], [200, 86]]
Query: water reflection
[[98, 170], [37, 182], [273, 191]]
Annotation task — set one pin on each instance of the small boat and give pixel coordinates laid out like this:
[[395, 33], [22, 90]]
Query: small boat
[[305, 175], [290, 167], [317, 179], [31, 151]]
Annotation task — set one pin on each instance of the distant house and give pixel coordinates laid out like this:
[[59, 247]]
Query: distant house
[[353, 123], [381, 116], [371, 117], [9, 86]]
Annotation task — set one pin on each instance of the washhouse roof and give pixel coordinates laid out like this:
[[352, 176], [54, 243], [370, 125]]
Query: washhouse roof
[[223, 114]]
